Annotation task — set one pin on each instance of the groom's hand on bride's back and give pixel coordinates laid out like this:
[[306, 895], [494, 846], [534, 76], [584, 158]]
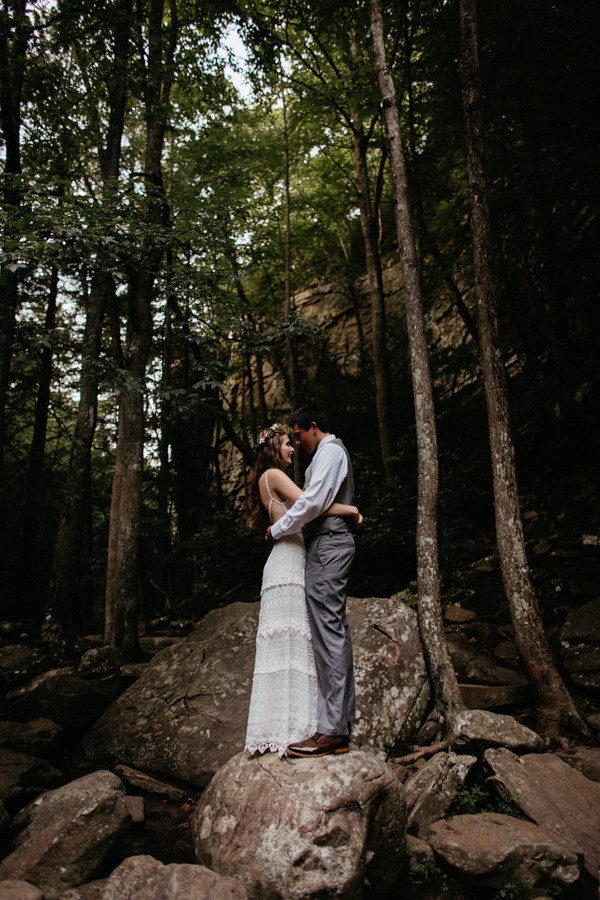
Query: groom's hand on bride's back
[[268, 536]]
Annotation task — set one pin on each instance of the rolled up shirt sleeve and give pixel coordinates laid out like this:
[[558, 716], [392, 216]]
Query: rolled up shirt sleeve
[[329, 468]]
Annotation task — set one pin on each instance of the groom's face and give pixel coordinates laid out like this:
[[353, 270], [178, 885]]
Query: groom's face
[[306, 438]]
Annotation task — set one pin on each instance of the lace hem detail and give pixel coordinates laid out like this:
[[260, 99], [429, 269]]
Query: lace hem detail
[[283, 702]]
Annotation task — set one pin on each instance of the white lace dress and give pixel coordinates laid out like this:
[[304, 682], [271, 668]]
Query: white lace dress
[[283, 703]]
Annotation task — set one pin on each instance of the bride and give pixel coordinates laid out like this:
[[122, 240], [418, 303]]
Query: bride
[[283, 703]]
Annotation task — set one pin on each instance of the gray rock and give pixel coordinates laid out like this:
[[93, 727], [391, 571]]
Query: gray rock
[[93, 890], [186, 714], [553, 795], [431, 790], [135, 808], [392, 686], [475, 729], [64, 697], [36, 736], [18, 663], [585, 759], [471, 664], [490, 847], [64, 835], [583, 623], [19, 771], [100, 662], [485, 696], [12, 889], [420, 855], [301, 828], [145, 878], [142, 781]]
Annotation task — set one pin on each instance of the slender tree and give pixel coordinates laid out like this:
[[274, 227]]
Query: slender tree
[[444, 683], [35, 475], [157, 40], [554, 705], [59, 618], [15, 32]]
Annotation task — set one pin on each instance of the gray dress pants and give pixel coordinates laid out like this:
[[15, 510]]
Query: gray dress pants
[[328, 561]]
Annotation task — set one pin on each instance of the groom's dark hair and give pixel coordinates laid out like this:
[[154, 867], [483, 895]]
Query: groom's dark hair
[[303, 416]]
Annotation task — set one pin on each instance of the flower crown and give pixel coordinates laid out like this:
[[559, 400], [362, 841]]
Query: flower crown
[[266, 434]]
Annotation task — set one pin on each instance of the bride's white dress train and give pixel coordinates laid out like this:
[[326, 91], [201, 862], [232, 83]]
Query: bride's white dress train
[[283, 703]]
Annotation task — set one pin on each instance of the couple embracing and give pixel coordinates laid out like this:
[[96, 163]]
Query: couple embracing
[[302, 701]]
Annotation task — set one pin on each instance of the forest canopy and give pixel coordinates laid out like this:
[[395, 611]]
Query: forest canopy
[[175, 175]]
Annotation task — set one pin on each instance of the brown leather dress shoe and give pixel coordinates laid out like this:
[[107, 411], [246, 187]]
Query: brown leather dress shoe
[[320, 745]]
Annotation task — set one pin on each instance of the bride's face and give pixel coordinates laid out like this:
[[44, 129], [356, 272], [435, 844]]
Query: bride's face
[[286, 451]]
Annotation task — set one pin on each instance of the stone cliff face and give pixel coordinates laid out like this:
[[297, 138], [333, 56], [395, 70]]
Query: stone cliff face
[[342, 309]]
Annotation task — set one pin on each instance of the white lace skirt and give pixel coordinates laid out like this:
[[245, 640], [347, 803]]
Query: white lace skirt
[[283, 703]]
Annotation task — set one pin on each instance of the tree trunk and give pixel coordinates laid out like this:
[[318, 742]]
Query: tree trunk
[[15, 31], [59, 617], [289, 311], [122, 579], [554, 706], [33, 498], [61, 602], [376, 293], [444, 683]]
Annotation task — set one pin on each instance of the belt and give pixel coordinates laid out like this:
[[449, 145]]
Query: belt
[[312, 537]]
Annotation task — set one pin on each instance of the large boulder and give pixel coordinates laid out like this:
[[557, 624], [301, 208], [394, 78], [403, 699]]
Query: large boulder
[[18, 663], [64, 835], [64, 697], [21, 773], [490, 848], [145, 878], [186, 714], [39, 736], [432, 788], [473, 730], [554, 795], [392, 686], [302, 828]]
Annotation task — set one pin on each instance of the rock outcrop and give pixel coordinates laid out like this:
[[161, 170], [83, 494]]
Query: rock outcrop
[[554, 795], [145, 878], [493, 848], [186, 714], [302, 828], [431, 790], [64, 835]]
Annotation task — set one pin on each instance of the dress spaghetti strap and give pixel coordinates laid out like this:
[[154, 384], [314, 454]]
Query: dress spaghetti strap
[[272, 499]]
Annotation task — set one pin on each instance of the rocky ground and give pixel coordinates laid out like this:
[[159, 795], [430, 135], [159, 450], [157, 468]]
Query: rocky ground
[[104, 767]]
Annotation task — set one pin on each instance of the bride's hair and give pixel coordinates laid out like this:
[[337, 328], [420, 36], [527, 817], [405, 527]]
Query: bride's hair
[[268, 450]]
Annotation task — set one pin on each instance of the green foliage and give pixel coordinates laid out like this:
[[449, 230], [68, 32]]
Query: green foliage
[[477, 796], [218, 303]]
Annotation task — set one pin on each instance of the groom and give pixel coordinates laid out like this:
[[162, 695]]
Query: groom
[[329, 554]]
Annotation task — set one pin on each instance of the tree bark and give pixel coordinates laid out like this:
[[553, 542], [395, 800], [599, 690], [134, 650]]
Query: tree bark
[[122, 579], [554, 705], [289, 311], [15, 31], [444, 684], [58, 627], [59, 619], [35, 475]]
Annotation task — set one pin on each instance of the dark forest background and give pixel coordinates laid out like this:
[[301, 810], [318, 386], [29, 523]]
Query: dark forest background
[[157, 224]]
